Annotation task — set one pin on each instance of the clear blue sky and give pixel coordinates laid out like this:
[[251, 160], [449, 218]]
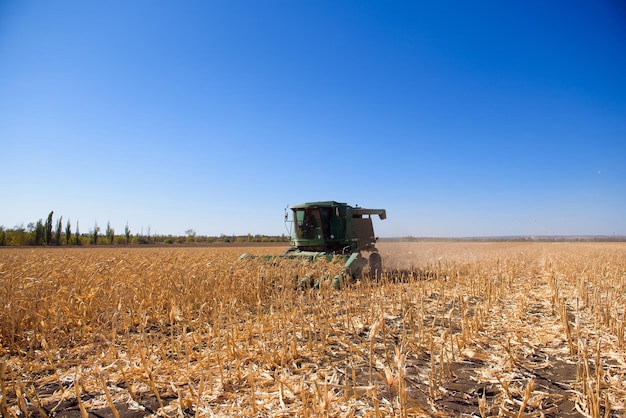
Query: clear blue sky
[[460, 118]]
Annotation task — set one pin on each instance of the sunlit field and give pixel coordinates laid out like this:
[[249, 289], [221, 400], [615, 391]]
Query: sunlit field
[[451, 329]]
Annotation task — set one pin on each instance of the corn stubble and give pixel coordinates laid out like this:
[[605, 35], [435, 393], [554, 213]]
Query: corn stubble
[[523, 330]]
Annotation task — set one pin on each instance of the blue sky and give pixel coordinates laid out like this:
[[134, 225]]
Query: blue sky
[[459, 118]]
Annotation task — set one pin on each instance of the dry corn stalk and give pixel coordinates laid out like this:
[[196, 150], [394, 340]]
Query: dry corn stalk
[[191, 330]]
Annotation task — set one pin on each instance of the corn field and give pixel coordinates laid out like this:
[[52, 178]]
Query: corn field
[[451, 329]]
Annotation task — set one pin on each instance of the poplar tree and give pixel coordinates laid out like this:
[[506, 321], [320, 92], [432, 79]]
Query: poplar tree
[[48, 229], [110, 233], [96, 231], [39, 233], [57, 238], [68, 232]]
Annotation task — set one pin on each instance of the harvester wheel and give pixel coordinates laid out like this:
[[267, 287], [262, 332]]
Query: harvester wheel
[[376, 266]]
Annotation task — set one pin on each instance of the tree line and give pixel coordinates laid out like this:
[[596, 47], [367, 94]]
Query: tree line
[[57, 232]]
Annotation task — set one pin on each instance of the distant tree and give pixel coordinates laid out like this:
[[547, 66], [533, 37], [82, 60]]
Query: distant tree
[[95, 232], [110, 233], [39, 232], [77, 235], [127, 233], [19, 236], [2, 236], [48, 231], [68, 232], [191, 235], [57, 237]]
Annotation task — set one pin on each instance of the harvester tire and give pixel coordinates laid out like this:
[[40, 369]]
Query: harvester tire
[[376, 266]]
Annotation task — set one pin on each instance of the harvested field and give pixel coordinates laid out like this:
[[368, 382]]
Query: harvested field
[[452, 329]]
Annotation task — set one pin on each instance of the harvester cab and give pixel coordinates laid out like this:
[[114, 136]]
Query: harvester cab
[[336, 230]]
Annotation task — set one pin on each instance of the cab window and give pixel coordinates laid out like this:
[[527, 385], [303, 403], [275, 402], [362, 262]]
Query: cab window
[[308, 224]]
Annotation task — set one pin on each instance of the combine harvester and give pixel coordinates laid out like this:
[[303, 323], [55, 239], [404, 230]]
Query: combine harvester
[[335, 232]]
